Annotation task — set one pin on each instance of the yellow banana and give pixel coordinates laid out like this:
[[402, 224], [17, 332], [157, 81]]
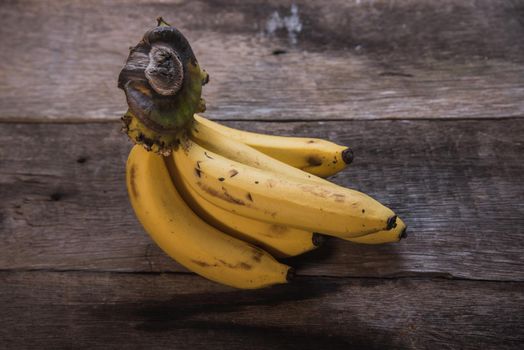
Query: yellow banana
[[316, 156], [277, 198], [186, 237], [279, 240], [390, 236], [214, 141]]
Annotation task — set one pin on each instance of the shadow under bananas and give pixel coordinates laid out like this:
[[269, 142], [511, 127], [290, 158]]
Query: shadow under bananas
[[323, 253], [344, 258], [258, 318]]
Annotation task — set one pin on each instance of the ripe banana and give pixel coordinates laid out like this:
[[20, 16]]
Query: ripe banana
[[316, 156], [186, 237], [212, 140], [279, 240], [278, 198], [208, 137], [394, 235], [217, 193]]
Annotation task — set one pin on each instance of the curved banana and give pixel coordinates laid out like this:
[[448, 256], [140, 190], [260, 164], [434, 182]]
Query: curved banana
[[316, 156], [390, 236], [188, 239], [279, 240], [277, 198], [214, 141]]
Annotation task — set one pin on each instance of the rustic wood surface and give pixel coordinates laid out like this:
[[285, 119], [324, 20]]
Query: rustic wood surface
[[83, 310], [430, 95], [65, 203], [350, 60]]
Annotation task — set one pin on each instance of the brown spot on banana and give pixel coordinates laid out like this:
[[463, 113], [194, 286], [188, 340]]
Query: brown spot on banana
[[233, 172], [201, 263], [314, 160], [249, 197], [132, 181], [339, 198], [257, 254], [392, 221], [241, 265], [272, 213], [222, 195], [317, 191], [231, 198], [198, 172], [279, 229], [245, 266]]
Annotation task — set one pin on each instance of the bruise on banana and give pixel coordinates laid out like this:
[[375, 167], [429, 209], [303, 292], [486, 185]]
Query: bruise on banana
[[314, 160], [163, 83], [222, 195], [202, 263], [257, 254], [276, 231], [132, 181], [241, 265]]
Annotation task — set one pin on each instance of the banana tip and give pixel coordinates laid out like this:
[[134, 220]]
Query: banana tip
[[404, 233], [347, 156], [318, 239], [291, 273]]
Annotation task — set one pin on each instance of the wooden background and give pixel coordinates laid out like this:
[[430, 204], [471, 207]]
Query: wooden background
[[429, 94]]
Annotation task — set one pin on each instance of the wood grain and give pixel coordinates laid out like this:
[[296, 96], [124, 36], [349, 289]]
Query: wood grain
[[349, 60], [457, 184], [396, 80], [115, 311]]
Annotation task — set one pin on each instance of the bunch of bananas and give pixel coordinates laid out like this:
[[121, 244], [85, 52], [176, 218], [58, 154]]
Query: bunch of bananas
[[224, 202]]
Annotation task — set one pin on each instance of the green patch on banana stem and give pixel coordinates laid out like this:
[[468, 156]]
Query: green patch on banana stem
[[163, 83], [161, 143]]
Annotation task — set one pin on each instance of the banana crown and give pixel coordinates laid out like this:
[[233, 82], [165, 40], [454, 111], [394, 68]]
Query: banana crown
[[163, 83]]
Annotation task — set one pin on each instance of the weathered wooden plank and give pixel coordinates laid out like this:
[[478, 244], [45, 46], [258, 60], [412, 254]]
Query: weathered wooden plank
[[458, 185], [340, 60], [115, 311]]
